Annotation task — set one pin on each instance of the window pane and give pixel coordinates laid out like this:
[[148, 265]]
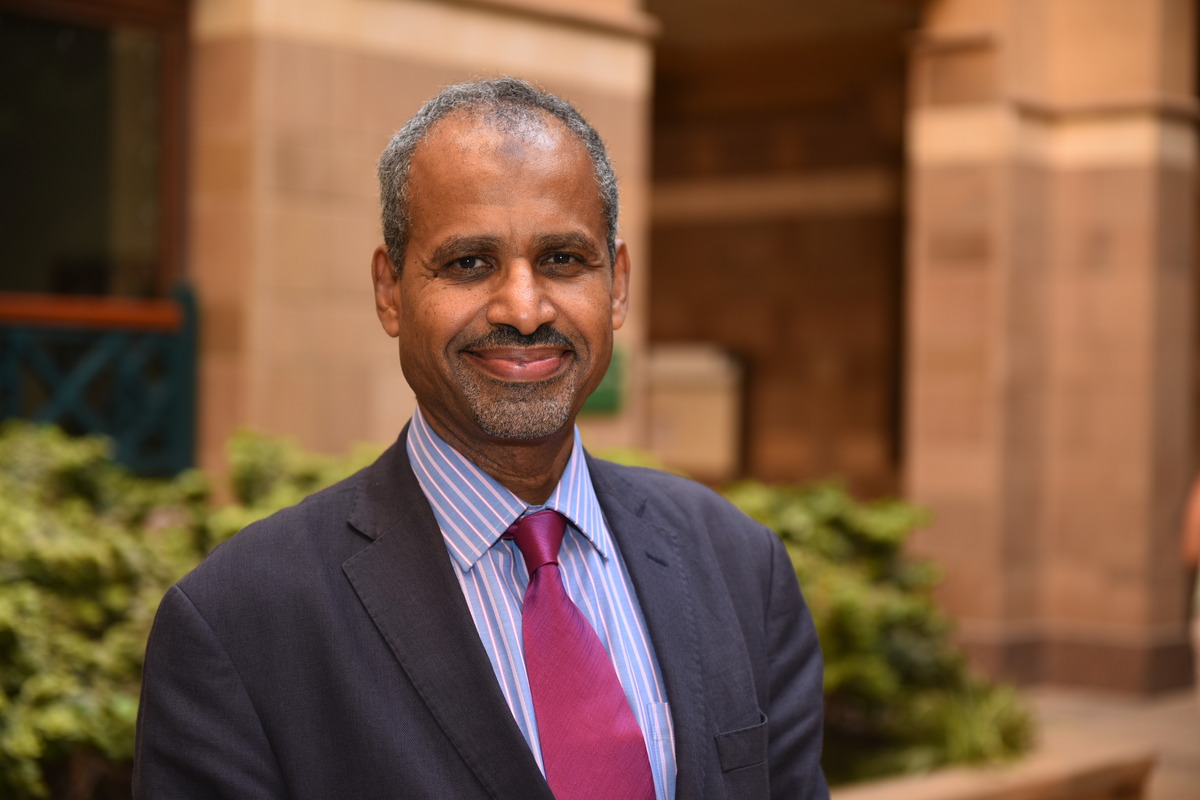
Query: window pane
[[80, 158]]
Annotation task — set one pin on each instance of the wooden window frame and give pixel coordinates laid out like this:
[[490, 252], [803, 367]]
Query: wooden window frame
[[167, 19]]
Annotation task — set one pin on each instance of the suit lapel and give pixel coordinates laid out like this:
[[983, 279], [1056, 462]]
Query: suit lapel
[[653, 555], [695, 631], [405, 581]]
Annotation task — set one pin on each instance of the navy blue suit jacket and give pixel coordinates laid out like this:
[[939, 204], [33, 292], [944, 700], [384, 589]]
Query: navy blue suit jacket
[[327, 652]]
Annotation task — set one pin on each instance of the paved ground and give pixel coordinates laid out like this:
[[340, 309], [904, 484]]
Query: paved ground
[[1169, 726]]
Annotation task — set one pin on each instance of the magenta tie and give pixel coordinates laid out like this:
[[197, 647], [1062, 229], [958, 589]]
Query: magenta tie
[[592, 747]]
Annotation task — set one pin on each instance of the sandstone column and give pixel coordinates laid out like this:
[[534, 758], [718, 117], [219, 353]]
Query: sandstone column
[[1050, 287]]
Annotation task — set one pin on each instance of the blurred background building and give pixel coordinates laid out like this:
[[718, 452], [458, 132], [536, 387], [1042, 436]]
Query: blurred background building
[[943, 248]]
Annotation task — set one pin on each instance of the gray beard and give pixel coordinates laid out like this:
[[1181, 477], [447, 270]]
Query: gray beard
[[521, 411]]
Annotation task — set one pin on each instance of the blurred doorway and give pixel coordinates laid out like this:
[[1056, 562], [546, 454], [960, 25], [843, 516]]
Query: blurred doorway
[[777, 225]]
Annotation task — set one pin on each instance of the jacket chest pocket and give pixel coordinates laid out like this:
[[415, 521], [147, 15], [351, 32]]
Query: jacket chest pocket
[[743, 756]]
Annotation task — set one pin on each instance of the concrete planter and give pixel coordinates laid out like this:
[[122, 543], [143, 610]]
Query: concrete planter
[[1045, 775]]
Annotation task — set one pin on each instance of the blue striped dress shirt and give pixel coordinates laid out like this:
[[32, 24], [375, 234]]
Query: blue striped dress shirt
[[473, 511]]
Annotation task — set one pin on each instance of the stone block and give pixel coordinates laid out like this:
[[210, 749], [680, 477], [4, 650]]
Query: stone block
[[1112, 775]]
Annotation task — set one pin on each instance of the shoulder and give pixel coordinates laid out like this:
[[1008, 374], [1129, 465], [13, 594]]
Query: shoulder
[[657, 485], [671, 493], [683, 505], [327, 508], [290, 552], [346, 515]]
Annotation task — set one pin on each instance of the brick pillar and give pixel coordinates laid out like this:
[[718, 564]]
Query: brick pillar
[[1051, 274]]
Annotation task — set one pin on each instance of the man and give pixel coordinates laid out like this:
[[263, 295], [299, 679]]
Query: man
[[384, 639]]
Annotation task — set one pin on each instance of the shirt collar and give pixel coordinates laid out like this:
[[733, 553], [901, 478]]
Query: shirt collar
[[474, 510]]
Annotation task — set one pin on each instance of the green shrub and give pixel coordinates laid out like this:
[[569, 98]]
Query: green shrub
[[899, 697], [87, 551]]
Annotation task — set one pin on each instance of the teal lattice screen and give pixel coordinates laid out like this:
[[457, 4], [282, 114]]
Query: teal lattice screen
[[122, 368]]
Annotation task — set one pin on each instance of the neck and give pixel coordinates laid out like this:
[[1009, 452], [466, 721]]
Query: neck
[[530, 469]]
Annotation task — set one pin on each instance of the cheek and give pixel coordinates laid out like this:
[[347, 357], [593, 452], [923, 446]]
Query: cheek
[[417, 336], [439, 323], [427, 314], [594, 317]]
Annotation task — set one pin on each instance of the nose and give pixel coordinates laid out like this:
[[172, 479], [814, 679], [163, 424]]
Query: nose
[[519, 298]]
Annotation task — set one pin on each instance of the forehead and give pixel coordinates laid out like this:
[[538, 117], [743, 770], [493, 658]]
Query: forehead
[[473, 125], [481, 144], [469, 171]]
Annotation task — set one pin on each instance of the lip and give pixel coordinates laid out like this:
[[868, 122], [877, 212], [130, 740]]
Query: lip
[[520, 364]]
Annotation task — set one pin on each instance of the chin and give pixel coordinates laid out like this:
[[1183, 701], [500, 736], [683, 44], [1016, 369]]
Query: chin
[[524, 421]]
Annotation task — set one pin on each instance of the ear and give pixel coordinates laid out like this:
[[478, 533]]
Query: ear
[[387, 295], [620, 285]]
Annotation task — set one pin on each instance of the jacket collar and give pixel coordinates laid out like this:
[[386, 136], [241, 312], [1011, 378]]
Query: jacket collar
[[405, 581]]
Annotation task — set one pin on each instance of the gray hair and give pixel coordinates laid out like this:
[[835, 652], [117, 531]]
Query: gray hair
[[509, 104]]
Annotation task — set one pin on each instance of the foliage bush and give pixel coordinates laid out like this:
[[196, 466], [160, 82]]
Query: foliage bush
[[87, 550], [899, 697]]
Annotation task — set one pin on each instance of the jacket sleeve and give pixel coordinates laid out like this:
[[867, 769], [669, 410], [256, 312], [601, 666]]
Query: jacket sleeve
[[795, 688], [198, 734]]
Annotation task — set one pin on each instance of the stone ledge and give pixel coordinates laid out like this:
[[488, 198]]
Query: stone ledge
[[1096, 775]]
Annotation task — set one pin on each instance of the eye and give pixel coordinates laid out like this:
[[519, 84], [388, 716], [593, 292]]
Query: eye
[[563, 264], [467, 264], [465, 269]]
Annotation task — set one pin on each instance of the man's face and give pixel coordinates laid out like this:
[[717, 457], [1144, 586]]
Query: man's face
[[507, 298]]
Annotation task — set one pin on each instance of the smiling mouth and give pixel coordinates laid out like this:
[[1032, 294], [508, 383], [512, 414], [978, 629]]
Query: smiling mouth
[[520, 364]]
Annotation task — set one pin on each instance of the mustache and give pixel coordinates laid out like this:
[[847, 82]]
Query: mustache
[[507, 336]]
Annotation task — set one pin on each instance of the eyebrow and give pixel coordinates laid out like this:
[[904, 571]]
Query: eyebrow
[[567, 241], [459, 246]]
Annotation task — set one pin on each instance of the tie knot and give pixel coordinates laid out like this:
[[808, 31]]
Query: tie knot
[[538, 537]]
